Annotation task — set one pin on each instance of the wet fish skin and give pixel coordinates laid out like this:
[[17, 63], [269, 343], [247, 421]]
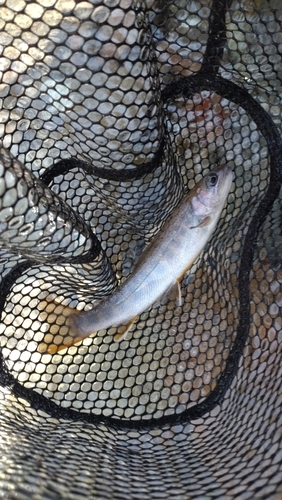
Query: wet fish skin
[[162, 264]]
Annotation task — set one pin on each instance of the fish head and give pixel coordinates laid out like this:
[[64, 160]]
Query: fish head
[[211, 192]]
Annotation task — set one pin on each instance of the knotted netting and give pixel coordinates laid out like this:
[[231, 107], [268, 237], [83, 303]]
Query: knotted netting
[[109, 112]]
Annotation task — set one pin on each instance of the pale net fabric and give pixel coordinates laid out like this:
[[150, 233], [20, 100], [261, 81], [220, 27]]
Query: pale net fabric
[[109, 112]]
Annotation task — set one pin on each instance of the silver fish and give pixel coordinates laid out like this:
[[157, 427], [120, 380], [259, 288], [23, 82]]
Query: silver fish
[[161, 266]]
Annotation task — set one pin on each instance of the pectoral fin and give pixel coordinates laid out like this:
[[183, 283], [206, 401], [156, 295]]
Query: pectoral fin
[[123, 330], [204, 222]]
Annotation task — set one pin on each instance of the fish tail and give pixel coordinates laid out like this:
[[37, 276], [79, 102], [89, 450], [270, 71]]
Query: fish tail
[[60, 320]]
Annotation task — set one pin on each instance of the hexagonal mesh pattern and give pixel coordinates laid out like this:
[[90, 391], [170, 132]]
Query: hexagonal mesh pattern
[[110, 111]]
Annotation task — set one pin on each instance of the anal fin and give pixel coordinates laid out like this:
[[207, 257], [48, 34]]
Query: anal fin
[[123, 330]]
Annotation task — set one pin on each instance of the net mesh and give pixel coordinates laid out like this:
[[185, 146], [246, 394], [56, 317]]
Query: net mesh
[[109, 112]]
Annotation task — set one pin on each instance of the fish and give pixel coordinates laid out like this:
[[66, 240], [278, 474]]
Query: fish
[[160, 267]]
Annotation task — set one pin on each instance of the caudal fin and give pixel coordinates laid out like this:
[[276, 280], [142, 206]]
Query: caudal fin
[[61, 333]]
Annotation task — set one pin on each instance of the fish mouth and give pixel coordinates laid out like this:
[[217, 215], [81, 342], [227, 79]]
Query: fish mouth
[[225, 169], [222, 189], [226, 176]]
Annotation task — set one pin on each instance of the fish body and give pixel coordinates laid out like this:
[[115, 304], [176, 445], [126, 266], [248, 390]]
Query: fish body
[[163, 263]]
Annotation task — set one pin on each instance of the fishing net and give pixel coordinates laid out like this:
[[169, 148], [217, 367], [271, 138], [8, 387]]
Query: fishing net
[[110, 112]]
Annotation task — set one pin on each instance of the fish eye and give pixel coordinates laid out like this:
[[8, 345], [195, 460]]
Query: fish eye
[[212, 180]]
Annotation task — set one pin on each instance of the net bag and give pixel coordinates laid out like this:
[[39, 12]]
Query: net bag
[[109, 112]]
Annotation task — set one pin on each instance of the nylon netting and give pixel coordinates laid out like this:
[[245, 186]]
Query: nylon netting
[[109, 112]]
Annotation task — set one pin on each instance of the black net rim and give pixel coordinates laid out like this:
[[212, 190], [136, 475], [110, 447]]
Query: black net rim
[[185, 87]]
